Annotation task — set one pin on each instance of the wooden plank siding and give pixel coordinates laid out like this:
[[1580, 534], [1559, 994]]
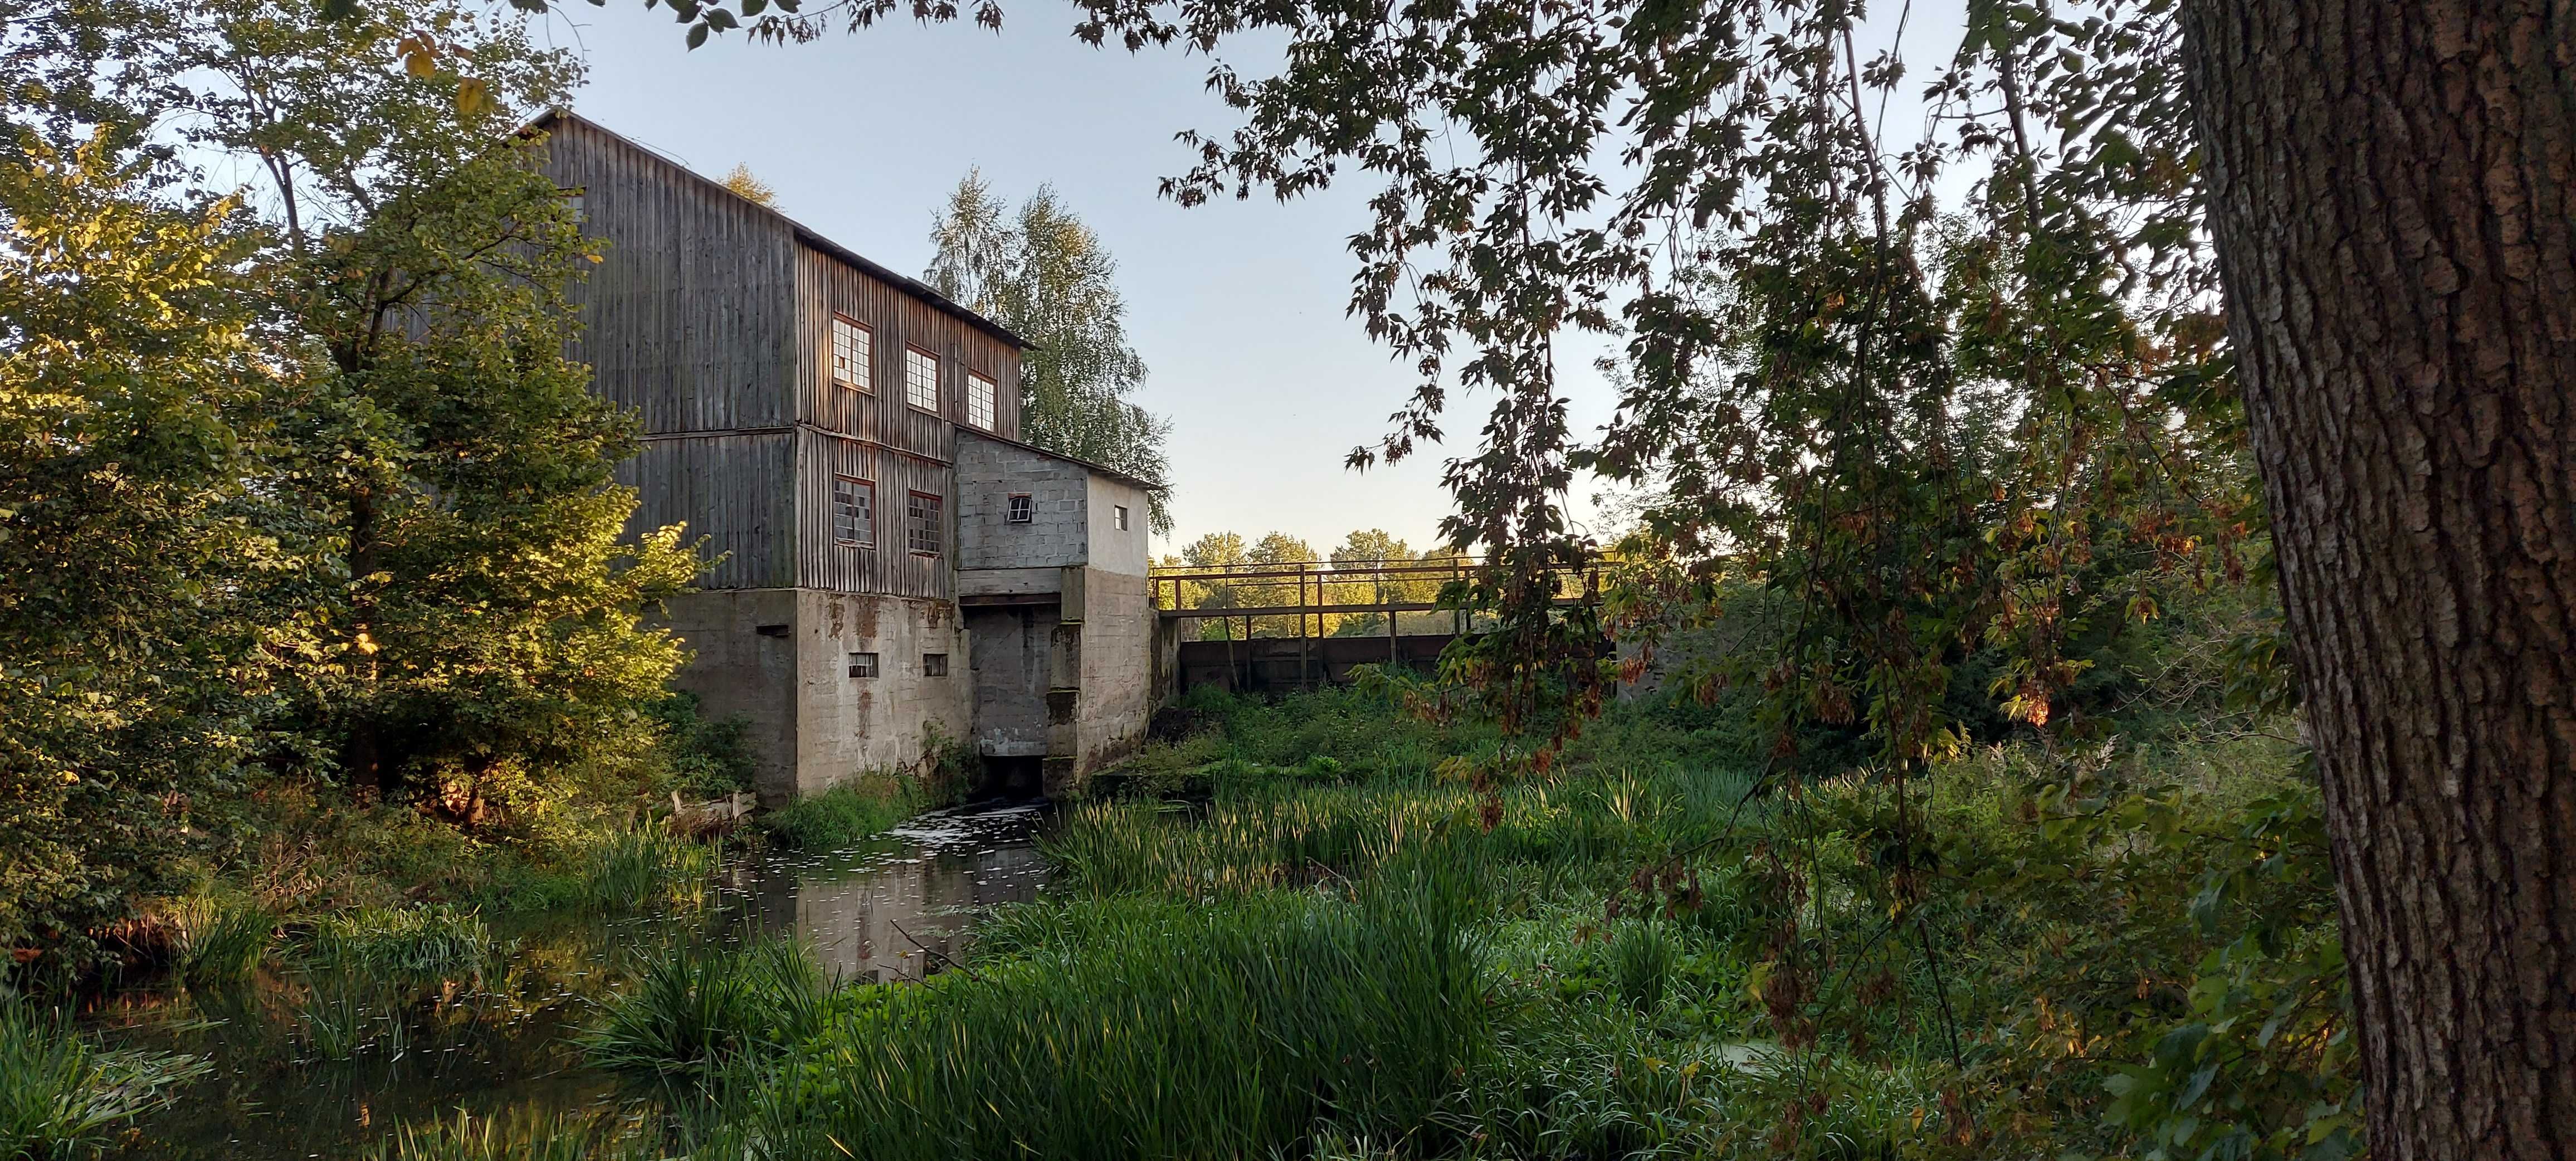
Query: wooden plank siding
[[731, 489], [826, 286], [711, 317], [904, 449], [888, 566], [689, 316]]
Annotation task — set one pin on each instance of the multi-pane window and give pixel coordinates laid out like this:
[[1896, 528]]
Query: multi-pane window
[[1021, 509], [934, 665], [922, 530], [852, 354], [1122, 516], [979, 401], [854, 512], [863, 665], [921, 378]]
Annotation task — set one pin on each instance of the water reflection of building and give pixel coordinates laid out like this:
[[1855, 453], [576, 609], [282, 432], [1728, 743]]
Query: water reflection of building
[[872, 921]]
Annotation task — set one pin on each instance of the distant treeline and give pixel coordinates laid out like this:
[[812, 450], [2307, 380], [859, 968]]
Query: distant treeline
[[1354, 583]]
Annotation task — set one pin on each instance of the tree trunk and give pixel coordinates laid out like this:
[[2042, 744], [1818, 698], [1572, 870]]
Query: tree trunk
[[2390, 188]]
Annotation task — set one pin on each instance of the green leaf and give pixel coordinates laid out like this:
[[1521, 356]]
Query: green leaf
[[697, 35], [752, 8]]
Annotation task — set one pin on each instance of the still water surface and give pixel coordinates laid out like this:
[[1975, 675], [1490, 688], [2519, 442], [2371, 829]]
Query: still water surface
[[497, 1044]]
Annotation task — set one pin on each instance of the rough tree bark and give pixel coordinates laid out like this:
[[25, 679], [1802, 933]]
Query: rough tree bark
[[2392, 209]]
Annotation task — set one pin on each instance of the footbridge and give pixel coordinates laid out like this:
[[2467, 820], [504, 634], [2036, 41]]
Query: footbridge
[[1303, 624]]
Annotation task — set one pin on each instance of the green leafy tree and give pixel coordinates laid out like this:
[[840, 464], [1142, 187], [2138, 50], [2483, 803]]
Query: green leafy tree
[[1045, 275], [1359, 550], [2168, 267], [295, 480], [138, 651], [489, 626], [1211, 551]]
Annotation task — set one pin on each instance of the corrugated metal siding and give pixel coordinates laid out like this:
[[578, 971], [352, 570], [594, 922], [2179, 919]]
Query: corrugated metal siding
[[689, 316], [888, 566], [731, 489]]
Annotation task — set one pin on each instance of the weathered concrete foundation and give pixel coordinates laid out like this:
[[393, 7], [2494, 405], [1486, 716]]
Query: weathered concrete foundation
[[795, 665]]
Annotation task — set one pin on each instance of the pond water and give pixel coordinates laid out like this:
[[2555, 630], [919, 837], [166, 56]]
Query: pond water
[[307, 1066]]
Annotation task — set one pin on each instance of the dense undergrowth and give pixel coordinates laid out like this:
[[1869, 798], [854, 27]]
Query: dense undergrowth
[[1292, 937]]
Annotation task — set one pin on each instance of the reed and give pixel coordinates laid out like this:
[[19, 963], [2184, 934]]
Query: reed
[[847, 814], [62, 1096], [433, 940], [641, 869], [219, 940], [521, 1137], [1147, 1027], [694, 1014]]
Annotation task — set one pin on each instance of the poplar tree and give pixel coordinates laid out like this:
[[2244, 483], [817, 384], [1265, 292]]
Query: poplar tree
[[1045, 275]]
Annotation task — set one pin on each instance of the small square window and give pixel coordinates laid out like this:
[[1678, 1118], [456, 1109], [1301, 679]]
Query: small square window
[[1022, 509], [853, 354], [979, 401], [1121, 510], [854, 512], [923, 532], [863, 665], [921, 378], [934, 665]]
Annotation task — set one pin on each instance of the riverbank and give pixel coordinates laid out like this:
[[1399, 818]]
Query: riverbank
[[1293, 935]]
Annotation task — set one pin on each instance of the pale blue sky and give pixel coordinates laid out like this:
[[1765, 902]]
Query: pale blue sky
[[1237, 308]]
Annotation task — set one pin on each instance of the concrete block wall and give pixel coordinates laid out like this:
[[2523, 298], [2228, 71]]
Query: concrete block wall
[[988, 473], [1115, 549]]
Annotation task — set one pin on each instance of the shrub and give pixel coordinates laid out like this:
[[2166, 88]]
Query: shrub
[[703, 758]]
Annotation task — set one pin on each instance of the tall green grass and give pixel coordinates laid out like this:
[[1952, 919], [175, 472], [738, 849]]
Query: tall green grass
[[219, 939], [641, 869], [62, 1096], [552, 1137], [847, 814], [1135, 1027], [707, 1008], [436, 939]]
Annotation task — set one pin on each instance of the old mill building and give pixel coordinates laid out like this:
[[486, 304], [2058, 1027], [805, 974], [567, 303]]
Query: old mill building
[[899, 570]]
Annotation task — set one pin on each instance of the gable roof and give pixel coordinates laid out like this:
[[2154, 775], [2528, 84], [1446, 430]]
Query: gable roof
[[806, 234], [1097, 469]]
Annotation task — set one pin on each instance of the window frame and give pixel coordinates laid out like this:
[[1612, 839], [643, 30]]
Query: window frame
[[926, 660], [872, 665], [1019, 508], [909, 351], [838, 479], [865, 384], [937, 526], [992, 400], [1120, 510]]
